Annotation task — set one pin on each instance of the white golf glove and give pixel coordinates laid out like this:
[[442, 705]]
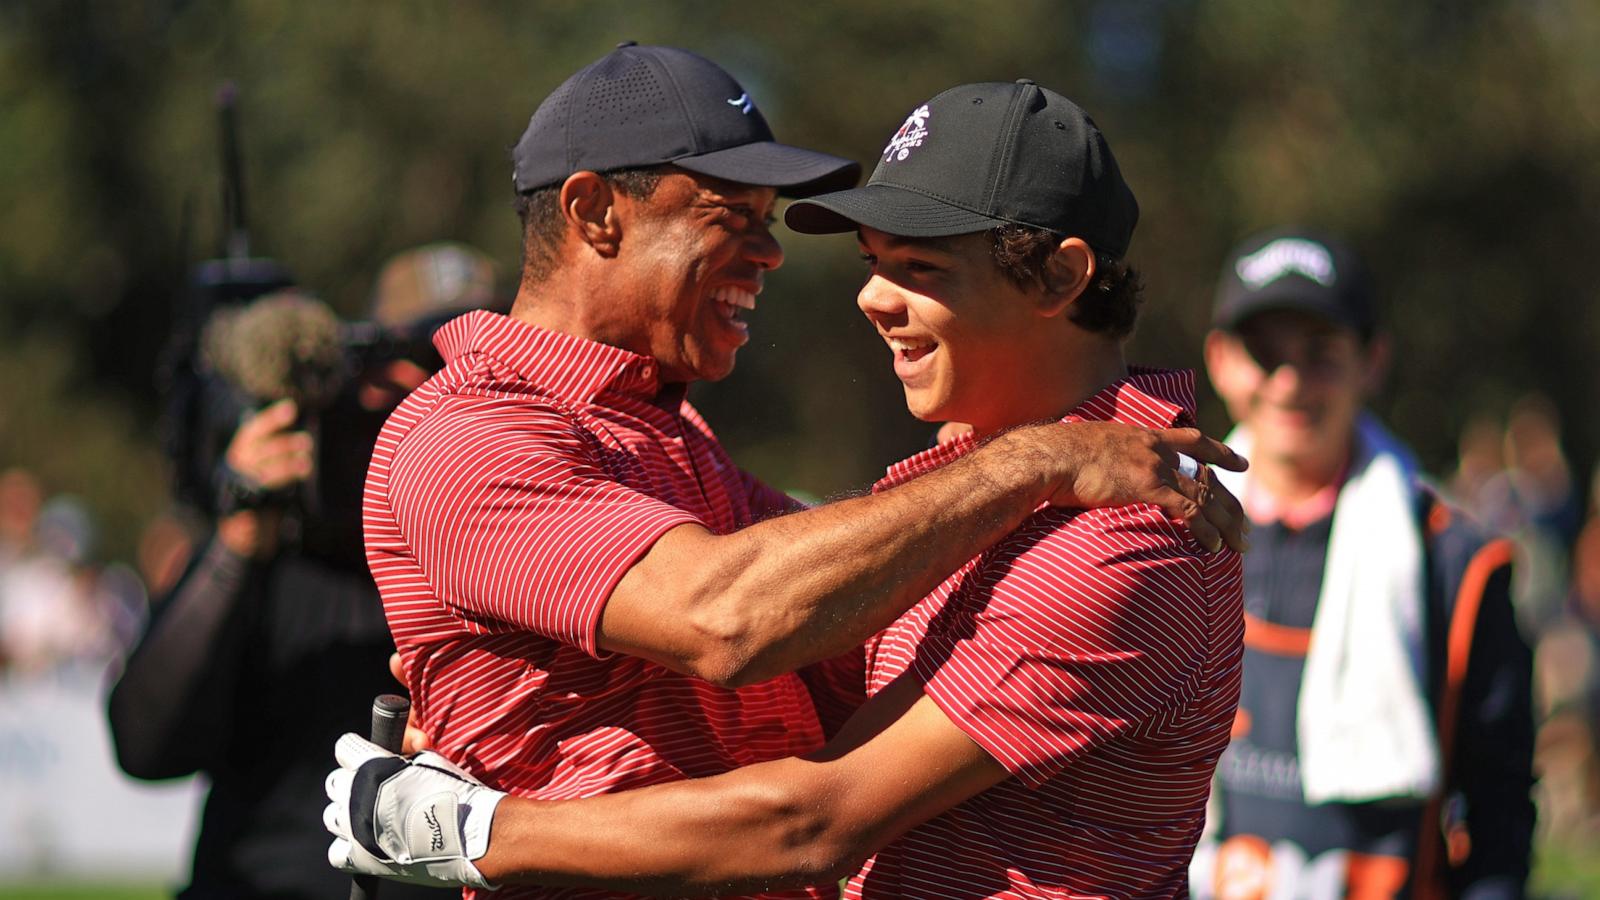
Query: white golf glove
[[421, 820]]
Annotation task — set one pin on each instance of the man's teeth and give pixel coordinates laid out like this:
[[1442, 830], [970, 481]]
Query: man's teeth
[[734, 297], [906, 345]]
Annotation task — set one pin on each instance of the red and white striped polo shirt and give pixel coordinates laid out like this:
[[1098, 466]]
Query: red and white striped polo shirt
[[506, 498], [1095, 654]]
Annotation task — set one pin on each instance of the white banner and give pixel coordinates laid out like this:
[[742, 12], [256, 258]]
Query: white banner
[[66, 810]]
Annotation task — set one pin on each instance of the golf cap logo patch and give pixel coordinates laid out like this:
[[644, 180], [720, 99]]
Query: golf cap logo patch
[[910, 136], [1283, 256], [743, 102]]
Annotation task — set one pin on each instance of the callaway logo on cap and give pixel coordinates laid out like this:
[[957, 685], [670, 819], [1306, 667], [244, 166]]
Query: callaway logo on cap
[[1299, 270], [1284, 256]]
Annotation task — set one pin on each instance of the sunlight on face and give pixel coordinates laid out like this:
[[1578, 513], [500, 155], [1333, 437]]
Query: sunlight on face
[[699, 248], [959, 330]]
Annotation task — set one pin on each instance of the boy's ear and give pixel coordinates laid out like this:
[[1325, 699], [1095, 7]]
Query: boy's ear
[[1067, 273], [590, 209]]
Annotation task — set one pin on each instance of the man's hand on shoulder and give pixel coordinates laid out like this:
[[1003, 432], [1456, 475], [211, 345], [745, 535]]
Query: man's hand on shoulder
[[1112, 464], [421, 820]]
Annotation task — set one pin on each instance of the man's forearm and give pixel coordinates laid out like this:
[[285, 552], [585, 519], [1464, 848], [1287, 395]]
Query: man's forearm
[[739, 832], [782, 823], [168, 700], [740, 608], [793, 590]]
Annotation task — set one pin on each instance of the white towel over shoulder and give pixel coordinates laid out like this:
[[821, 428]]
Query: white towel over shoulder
[[1364, 729]]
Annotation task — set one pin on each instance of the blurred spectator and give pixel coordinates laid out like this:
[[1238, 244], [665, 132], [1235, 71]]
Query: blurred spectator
[[124, 600], [1516, 478], [1567, 668], [52, 611], [1585, 606], [433, 281], [1531, 498], [1539, 474], [1384, 738], [273, 642], [1481, 460], [20, 498]]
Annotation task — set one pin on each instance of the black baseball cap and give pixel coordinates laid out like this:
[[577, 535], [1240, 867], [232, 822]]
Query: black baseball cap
[[982, 155], [644, 106], [1299, 269]]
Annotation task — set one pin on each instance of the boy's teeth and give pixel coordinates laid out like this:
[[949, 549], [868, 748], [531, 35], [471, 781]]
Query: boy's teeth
[[902, 345]]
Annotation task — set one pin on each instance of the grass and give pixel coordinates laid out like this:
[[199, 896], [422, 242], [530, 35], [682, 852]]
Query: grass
[[58, 891], [1560, 873], [1566, 873]]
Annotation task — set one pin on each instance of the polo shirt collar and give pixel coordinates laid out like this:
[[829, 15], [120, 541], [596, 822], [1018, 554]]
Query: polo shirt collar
[[1265, 509], [570, 367], [1148, 398]]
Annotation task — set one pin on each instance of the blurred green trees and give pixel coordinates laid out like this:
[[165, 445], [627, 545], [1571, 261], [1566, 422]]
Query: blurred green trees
[[1454, 142]]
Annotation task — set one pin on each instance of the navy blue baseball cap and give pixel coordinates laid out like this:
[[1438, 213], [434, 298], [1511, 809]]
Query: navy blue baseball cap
[[982, 155], [645, 106], [1299, 269]]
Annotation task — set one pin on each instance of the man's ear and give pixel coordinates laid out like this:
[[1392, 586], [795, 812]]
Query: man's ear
[[1217, 351], [1377, 356], [589, 207], [1067, 273], [1232, 372]]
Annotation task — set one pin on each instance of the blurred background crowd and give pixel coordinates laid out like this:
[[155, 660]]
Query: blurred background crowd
[[1454, 143]]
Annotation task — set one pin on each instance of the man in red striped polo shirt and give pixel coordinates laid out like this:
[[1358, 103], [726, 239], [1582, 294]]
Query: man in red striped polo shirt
[[1046, 721]]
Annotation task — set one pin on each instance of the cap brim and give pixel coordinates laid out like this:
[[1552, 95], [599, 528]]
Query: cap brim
[[887, 208], [794, 171]]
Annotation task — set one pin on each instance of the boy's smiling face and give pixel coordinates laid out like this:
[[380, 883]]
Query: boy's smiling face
[[960, 330]]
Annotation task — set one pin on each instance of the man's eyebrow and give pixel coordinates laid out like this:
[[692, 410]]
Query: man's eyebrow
[[737, 195]]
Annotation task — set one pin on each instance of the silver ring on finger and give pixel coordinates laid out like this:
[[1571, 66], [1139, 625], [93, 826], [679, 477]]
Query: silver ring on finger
[[1188, 466]]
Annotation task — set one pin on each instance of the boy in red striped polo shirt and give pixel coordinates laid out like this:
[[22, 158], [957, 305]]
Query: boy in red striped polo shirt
[[1045, 723]]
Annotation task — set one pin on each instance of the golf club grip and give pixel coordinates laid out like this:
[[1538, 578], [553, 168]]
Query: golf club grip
[[389, 714]]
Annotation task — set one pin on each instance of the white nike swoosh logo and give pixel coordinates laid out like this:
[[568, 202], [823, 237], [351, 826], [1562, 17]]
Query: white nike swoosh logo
[[743, 102]]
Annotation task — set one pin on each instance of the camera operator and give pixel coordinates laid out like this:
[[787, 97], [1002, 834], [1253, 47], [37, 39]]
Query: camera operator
[[274, 641]]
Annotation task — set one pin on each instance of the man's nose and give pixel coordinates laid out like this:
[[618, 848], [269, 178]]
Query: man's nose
[[763, 249], [1286, 378]]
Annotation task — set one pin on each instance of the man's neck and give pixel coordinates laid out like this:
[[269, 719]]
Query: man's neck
[[564, 305], [564, 302], [549, 304], [1288, 483]]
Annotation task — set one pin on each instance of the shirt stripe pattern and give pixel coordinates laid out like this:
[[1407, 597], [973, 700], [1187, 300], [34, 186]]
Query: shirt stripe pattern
[[506, 498], [1096, 655]]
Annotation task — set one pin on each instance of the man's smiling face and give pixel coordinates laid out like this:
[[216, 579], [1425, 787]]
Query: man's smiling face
[[1298, 380], [699, 247]]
